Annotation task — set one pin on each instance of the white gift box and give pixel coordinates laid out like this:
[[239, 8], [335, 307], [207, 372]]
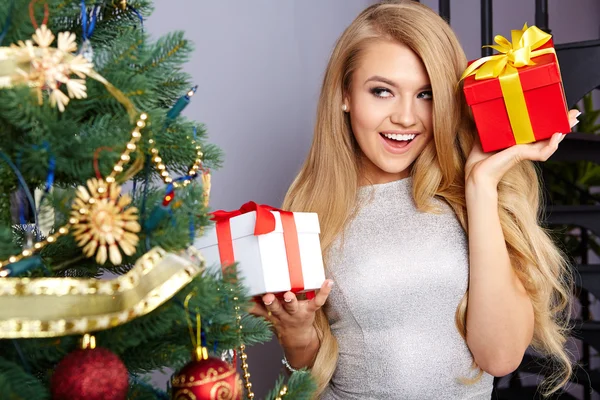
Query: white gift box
[[262, 260]]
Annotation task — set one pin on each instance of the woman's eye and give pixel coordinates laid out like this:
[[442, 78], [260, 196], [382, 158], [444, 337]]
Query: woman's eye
[[381, 92], [427, 94]]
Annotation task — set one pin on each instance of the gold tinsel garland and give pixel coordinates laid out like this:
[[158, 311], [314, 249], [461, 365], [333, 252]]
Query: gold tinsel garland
[[48, 307]]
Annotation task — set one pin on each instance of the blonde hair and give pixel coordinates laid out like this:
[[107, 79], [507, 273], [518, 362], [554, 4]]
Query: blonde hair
[[328, 181]]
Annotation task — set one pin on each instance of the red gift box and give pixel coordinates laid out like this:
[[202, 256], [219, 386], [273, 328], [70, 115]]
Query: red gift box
[[533, 108]]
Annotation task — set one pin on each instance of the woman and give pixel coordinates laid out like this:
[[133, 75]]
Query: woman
[[421, 309]]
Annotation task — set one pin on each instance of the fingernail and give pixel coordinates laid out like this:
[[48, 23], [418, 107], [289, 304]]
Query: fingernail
[[578, 114], [330, 284], [576, 122], [562, 136], [287, 300], [269, 303]]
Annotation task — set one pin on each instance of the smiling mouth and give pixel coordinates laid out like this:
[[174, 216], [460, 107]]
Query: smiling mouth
[[397, 141]]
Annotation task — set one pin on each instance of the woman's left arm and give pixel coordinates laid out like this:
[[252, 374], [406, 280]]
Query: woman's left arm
[[499, 312], [500, 316]]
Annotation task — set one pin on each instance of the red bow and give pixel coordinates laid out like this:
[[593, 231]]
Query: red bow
[[265, 220]]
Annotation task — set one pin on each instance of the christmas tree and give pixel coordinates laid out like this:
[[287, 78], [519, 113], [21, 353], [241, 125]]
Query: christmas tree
[[103, 187]]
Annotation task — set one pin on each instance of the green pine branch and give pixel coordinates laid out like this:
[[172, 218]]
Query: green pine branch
[[17, 384], [300, 386], [170, 50]]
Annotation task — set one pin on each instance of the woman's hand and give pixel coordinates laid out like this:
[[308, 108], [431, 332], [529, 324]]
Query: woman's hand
[[489, 168], [293, 319]]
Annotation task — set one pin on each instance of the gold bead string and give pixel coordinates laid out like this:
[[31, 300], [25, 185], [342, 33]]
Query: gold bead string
[[282, 392], [63, 230], [131, 146], [284, 389], [243, 355], [244, 358], [164, 174]]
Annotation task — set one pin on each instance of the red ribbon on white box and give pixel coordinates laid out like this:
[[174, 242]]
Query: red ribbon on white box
[[265, 223]]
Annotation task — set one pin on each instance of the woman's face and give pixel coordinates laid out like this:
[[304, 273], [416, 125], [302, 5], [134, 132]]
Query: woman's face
[[390, 106]]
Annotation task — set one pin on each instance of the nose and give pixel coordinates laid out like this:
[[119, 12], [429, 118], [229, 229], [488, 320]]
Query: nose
[[404, 113]]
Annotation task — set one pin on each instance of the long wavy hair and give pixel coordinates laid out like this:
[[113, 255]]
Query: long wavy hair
[[328, 181]]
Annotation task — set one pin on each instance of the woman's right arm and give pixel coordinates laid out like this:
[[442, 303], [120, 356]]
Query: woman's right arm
[[293, 321]]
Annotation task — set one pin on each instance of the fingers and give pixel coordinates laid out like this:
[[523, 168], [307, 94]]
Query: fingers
[[550, 146], [259, 310], [573, 114], [290, 303], [321, 296], [547, 150], [273, 305], [539, 151]]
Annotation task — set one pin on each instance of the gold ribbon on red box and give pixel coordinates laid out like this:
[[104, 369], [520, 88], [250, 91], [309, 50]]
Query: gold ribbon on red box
[[515, 54]]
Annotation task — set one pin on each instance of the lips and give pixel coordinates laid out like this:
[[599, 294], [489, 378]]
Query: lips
[[397, 142]]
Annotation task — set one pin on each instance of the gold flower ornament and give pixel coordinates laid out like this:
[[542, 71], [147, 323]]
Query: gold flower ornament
[[35, 63], [103, 224]]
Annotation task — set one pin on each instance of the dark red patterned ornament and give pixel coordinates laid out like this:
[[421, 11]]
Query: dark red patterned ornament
[[207, 378]]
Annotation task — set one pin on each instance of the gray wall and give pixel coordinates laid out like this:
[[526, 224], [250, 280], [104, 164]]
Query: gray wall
[[259, 67]]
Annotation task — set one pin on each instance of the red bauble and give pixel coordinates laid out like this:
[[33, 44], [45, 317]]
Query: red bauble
[[210, 379], [90, 374]]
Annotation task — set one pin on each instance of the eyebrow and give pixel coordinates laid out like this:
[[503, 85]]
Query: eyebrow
[[377, 78]]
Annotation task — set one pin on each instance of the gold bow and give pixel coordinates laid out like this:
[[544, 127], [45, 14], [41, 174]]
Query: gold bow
[[516, 54]]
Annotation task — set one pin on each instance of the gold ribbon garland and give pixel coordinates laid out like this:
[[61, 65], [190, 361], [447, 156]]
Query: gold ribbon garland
[[513, 55], [49, 307]]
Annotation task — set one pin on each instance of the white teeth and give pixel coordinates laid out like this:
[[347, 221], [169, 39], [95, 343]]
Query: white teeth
[[399, 137]]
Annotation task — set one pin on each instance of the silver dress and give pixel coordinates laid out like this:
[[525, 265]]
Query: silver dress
[[399, 275]]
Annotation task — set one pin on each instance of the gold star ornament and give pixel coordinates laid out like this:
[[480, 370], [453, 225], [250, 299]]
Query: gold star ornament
[[42, 67], [102, 222]]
